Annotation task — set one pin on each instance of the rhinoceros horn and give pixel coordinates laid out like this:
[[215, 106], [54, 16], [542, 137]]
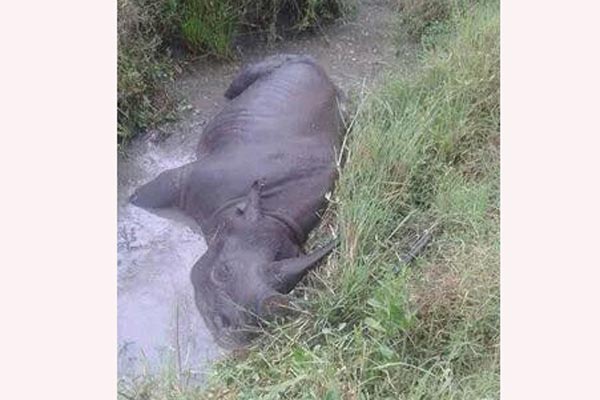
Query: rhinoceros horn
[[285, 274]]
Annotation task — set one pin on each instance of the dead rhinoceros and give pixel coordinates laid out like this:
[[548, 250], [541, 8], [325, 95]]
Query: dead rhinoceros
[[264, 166]]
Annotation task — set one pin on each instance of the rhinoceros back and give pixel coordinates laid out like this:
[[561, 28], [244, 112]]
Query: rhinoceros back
[[283, 128], [291, 101]]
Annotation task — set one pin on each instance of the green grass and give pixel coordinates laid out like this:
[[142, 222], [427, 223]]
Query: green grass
[[144, 69], [423, 153], [208, 26]]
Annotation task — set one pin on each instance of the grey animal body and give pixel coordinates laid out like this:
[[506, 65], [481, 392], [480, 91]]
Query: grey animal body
[[264, 166]]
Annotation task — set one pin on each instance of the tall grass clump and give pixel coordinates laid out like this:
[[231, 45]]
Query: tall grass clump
[[211, 26], [422, 155], [143, 66], [208, 26]]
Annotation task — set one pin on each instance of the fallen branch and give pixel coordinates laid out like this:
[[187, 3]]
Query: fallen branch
[[415, 249]]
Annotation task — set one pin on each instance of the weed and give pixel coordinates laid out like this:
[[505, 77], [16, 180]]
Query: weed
[[143, 69], [208, 26]]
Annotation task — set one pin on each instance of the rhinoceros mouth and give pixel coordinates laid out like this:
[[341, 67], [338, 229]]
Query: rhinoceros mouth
[[235, 337]]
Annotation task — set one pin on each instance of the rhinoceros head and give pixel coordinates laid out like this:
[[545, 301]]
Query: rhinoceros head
[[232, 296], [236, 285]]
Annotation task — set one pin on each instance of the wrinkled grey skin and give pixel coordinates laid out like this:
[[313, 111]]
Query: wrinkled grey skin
[[264, 165]]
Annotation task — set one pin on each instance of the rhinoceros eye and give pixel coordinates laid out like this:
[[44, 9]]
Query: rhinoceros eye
[[240, 208], [221, 273], [221, 321]]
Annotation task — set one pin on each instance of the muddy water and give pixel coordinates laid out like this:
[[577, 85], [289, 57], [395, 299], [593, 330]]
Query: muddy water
[[158, 324]]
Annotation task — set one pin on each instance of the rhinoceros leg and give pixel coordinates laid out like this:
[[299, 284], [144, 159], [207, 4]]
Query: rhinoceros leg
[[285, 274], [164, 191], [251, 72]]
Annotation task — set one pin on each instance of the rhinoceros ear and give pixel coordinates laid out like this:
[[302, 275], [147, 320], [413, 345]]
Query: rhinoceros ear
[[250, 208], [164, 191], [284, 275]]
